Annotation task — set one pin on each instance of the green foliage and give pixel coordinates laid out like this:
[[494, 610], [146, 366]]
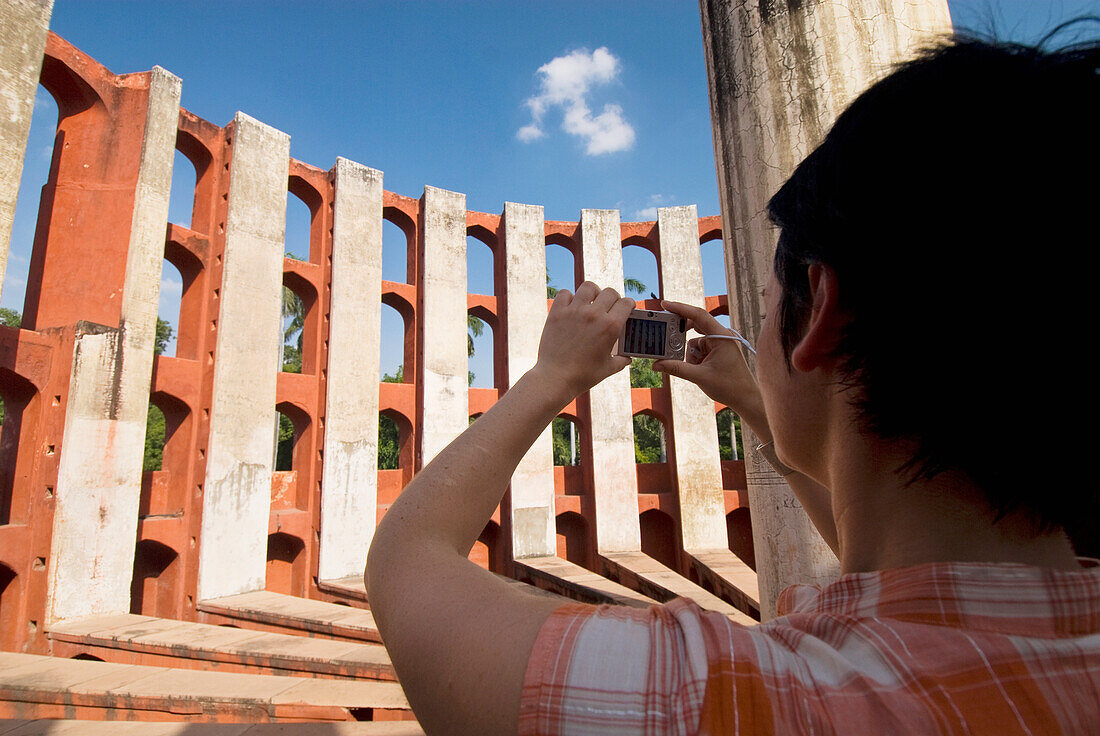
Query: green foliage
[[725, 445], [389, 442], [1, 412], [642, 374], [154, 439], [551, 291], [476, 327], [164, 334], [648, 433], [559, 431], [634, 286], [10, 318], [284, 451], [292, 359], [397, 377]]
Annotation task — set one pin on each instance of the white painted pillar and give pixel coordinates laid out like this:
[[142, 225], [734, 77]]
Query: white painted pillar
[[349, 489], [23, 28], [699, 474], [614, 474], [444, 364], [533, 527], [237, 488], [99, 478], [779, 74]]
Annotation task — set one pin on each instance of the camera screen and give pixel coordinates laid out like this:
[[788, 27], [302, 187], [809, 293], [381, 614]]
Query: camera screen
[[644, 336]]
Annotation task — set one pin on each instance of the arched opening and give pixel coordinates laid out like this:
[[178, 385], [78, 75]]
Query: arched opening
[[36, 172], [561, 268], [659, 537], [299, 299], [486, 551], [572, 538], [649, 439], [168, 312], [567, 450], [641, 275], [154, 439], [729, 435], [153, 587], [389, 443], [299, 220], [395, 452], [85, 657], [480, 271], [181, 199], [286, 564], [184, 204], [181, 302], [480, 348], [714, 268], [17, 399], [395, 247], [739, 533], [167, 440], [292, 455], [397, 343], [9, 608], [284, 445]]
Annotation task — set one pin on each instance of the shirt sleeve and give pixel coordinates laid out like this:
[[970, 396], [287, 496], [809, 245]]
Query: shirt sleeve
[[621, 670]]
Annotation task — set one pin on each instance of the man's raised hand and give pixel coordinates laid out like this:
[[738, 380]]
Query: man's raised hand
[[580, 332]]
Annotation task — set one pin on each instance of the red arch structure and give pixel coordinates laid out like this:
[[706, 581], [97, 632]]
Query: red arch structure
[[78, 266]]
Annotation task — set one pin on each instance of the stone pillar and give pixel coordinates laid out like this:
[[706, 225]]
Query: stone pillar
[[698, 472], [533, 527], [443, 388], [609, 409], [99, 477], [779, 73], [23, 27], [237, 489], [349, 490]]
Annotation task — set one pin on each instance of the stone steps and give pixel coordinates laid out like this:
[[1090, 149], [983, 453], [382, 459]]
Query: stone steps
[[296, 614], [35, 686], [204, 645], [160, 728]]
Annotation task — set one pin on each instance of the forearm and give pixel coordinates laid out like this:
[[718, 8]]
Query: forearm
[[449, 501]]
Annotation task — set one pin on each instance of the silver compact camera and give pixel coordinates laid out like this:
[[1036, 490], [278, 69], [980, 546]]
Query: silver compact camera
[[653, 334]]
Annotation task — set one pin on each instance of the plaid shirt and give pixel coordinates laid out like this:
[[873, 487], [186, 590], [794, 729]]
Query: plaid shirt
[[962, 648]]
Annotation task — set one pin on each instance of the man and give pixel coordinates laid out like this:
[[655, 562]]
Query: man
[[897, 367]]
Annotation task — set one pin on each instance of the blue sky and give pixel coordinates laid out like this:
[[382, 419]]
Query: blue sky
[[571, 105]]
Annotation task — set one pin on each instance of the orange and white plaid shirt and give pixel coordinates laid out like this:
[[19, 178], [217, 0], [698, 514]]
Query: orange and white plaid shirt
[[962, 648]]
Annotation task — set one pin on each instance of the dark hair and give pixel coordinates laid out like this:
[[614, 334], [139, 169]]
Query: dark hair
[[956, 200]]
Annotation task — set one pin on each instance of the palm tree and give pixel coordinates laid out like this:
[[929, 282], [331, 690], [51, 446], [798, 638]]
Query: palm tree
[[634, 285], [476, 327]]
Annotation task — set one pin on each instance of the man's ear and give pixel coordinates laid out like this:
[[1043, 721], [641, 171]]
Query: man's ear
[[820, 338]]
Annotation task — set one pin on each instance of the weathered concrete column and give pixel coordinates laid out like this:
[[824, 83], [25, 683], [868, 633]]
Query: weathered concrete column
[[99, 478], [23, 27], [614, 475], [237, 489], [699, 474], [694, 433], [533, 528], [349, 489], [443, 398], [779, 74]]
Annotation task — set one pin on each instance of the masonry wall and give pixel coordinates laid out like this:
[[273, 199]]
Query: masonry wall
[[84, 531]]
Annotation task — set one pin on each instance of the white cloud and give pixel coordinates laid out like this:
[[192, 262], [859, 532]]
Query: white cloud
[[650, 211], [566, 82]]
